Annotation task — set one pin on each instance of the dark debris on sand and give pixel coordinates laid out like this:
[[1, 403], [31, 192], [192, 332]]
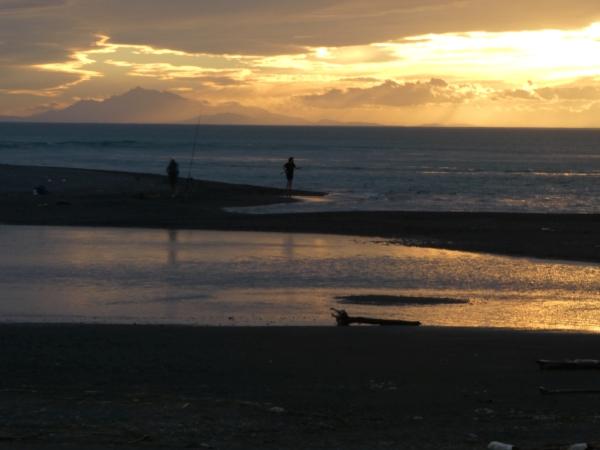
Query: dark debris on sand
[[132, 387], [397, 300]]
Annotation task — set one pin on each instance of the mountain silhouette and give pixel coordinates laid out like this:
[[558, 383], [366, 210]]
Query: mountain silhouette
[[149, 106]]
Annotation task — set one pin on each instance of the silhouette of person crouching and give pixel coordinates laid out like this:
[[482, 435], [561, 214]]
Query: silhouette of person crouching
[[173, 174], [288, 168]]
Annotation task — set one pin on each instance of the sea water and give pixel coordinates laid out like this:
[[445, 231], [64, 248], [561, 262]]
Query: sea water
[[74, 274], [210, 278], [363, 168]]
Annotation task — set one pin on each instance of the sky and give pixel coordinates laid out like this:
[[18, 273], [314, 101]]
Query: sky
[[395, 62]]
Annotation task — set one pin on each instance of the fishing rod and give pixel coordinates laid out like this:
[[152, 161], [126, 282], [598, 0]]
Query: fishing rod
[[193, 155]]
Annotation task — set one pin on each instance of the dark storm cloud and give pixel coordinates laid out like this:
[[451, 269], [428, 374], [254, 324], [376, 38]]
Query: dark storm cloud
[[46, 36], [15, 78], [270, 27], [267, 26], [21, 6]]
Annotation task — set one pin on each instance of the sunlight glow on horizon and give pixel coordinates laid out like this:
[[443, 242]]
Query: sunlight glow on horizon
[[545, 55], [480, 67]]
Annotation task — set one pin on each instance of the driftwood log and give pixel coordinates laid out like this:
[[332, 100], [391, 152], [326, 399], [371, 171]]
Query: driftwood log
[[495, 445], [569, 364], [343, 320], [548, 391]]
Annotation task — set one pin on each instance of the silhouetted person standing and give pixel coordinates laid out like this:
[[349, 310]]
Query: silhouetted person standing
[[173, 174], [289, 168]]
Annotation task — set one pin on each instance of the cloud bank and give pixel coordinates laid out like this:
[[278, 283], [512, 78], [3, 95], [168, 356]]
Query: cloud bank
[[436, 60], [391, 93]]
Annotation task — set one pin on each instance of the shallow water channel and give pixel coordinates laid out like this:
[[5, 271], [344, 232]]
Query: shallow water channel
[[74, 274]]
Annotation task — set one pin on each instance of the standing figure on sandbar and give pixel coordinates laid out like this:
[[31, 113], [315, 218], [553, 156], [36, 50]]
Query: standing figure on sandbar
[[288, 168], [173, 174]]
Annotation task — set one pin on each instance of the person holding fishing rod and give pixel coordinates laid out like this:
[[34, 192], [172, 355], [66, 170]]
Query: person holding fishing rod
[[173, 174]]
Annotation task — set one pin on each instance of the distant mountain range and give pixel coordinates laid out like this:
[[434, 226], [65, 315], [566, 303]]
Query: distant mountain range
[[11, 119], [149, 106]]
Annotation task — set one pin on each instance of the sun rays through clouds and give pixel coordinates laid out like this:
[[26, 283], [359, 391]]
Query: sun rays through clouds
[[541, 76]]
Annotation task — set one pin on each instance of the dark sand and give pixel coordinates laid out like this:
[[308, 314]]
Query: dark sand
[[102, 198], [392, 300], [133, 387], [296, 388]]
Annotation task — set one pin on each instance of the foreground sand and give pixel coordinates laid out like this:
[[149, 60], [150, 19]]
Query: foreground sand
[[108, 386], [102, 198]]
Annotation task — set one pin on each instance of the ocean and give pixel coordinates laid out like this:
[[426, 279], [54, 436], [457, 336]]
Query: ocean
[[363, 168], [74, 274]]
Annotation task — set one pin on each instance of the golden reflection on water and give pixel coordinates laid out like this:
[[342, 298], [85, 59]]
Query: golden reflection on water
[[172, 248], [217, 278]]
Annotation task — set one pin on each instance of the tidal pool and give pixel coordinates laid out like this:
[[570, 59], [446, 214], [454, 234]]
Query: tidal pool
[[107, 275]]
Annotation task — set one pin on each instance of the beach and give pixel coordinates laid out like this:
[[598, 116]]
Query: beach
[[93, 386], [120, 199], [71, 386], [271, 225]]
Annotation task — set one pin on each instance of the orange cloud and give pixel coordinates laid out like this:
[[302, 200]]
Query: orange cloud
[[391, 93]]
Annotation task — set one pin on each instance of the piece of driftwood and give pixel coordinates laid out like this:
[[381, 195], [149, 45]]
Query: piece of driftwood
[[569, 364], [343, 320], [495, 445], [392, 300], [548, 391]]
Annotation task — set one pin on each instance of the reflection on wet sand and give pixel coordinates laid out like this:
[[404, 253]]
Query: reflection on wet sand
[[172, 259], [209, 277]]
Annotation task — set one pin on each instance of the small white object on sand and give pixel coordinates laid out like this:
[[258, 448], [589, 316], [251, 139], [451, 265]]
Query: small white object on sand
[[580, 446], [495, 445]]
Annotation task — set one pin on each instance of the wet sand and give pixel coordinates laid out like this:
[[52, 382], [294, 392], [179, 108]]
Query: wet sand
[[134, 387], [102, 198], [296, 388]]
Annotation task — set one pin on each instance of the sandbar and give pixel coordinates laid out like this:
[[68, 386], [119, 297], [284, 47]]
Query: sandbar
[[121, 199]]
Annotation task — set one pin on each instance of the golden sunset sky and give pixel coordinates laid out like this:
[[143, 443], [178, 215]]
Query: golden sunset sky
[[404, 62]]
